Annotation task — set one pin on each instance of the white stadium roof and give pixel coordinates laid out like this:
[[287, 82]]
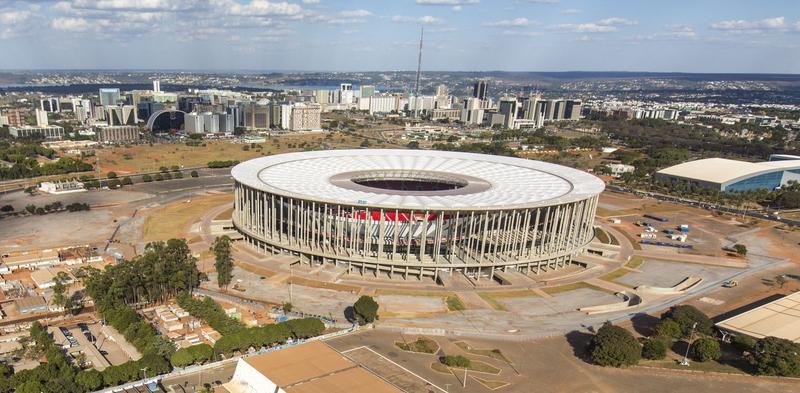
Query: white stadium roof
[[494, 182], [723, 170]]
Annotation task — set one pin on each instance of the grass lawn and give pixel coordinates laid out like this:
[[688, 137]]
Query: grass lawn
[[615, 275], [172, 220], [475, 365], [493, 297], [492, 353], [602, 236], [572, 287], [634, 241], [422, 345], [635, 262], [454, 303]]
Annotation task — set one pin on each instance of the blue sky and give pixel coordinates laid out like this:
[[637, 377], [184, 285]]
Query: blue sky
[[353, 35]]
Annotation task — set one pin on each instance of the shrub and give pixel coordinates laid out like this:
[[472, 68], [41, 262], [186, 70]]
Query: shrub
[[686, 316], [705, 349], [668, 328], [456, 361], [366, 310], [147, 178], [655, 348], [614, 346], [740, 249], [126, 181], [776, 356], [7, 209], [111, 175], [743, 343], [159, 177], [195, 174]]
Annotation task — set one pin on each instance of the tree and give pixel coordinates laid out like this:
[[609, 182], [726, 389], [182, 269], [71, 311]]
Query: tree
[[182, 358], [147, 178], [740, 249], [776, 356], [705, 349], [366, 310], [89, 380], [126, 181], [614, 346], [288, 307], [457, 361], [195, 174], [111, 175], [743, 342], [224, 261], [655, 348], [60, 297], [686, 316], [668, 328], [7, 209]]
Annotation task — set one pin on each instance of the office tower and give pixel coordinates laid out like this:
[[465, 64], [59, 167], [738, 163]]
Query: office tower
[[121, 115], [41, 118], [50, 105], [345, 93], [305, 117], [16, 117], [286, 116], [257, 116], [109, 96], [442, 91], [367, 91], [479, 90], [193, 123], [508, 108], [226, 123], [156, 86], [322, 96], [572, 110]]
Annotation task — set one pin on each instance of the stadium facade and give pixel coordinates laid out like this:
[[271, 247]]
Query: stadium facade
[[415, 213]]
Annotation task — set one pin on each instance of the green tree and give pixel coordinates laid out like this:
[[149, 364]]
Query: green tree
[[89, 380], [668, 328], [111, 175], [195, 174], [366, 310], [224, 260], [182, 358], [287, 306], [740, 249], [705, 349], [776, 356], [743, 342], [7, 209], [147, 178], [686, 316], [126, 181], [60, 297], [655, 348], [614, 346]]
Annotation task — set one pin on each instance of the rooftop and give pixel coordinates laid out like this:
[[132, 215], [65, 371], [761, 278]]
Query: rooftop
[[779, 318], [723, 170], [299, 363], [478, 181]]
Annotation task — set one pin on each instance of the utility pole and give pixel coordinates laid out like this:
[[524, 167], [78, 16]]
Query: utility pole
[[685, 361], [465, 378]]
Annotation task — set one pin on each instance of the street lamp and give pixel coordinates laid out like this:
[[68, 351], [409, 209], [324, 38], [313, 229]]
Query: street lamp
[[144, 372], [685, 361]]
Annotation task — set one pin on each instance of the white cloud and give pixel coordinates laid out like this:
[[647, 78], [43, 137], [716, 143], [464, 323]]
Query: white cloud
[[571, 11], [152, 5], [355, 13], [778, 23], [69, 24], [14, 17], [456, 3], [423, 20], [517, 22], [608, 25], [260, 8], [310, 1], [522, 33]]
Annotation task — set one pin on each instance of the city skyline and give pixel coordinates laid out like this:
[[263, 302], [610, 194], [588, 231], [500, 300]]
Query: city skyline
[[468, 35]]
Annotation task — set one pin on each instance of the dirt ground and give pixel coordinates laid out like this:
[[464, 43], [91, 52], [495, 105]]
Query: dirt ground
[[551, 365], [143, 158], [175, 219]]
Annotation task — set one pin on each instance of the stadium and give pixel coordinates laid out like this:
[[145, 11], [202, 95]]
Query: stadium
[[416, 213]]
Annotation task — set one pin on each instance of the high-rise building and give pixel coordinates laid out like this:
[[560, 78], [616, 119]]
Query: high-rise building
[[346, 93], [257, 115], [41, 118], [50, 104], [115, 134], [479, 90], [383, 104], [121, 115], [227, 123], [156, 86], [286, 116], [16, 117], [366, 91], [109, 96], [305, 117], [442, 91], [509, 108], [572, 110]]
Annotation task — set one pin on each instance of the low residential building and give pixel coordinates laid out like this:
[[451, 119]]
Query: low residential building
[[117, 134], [31, 304], [48, 132], [29, 260]]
